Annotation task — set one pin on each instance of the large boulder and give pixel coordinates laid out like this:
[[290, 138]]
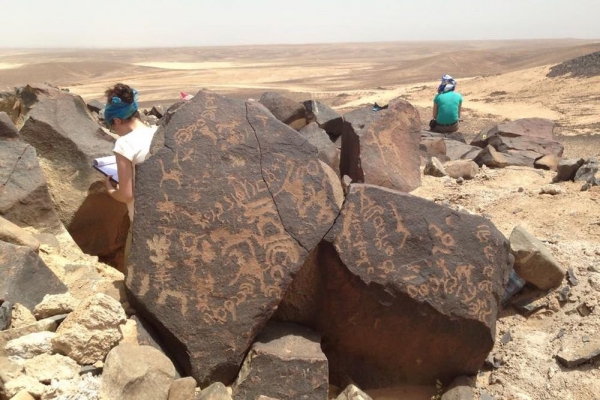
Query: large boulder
[[531, 127], [385, 152], [326, 117], [26, 279], [329, 152], [286, 362], [403, 290], [286, 110], [24, 196], [68, 139], [226, 212]]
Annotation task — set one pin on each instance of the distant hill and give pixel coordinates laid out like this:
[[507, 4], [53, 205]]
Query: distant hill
[[585, 67]]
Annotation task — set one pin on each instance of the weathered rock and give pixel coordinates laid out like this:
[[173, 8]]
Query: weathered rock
[[587, 172], [21, 316], [26, 278], [533, 260], [548, 162], [91, 330], [136, 372], [8, 130], [465, 169], [217, 250], [67, 139], [286, 110], [456, 150], [129, 332], [12, 233], [46, 367], [567, 168], [5, 315], [285, 362], [384, 152], [327, 150], [55, 304], [394, 271], [361, 117], [552, 190], [24, 196], [183, 389], [525, 127], [216, 391], [434, 168], [326, 118], [353, 393], [158, 111], [86, 387], [573, 356], [23, 395], [459, 389], [40, 326], [490, 158], [24, 383], [82, 280], [95, 105], [31, 345], [433, 148]]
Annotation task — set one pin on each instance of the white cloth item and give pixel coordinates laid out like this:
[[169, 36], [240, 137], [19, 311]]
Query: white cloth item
[[135, 147]]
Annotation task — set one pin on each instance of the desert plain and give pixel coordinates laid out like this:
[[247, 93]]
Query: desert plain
[[499, 80]]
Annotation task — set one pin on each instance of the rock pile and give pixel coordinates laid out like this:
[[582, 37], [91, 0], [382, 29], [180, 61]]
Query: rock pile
[[585, 66]]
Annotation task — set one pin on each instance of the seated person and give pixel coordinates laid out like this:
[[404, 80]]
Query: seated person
[[446, 107]]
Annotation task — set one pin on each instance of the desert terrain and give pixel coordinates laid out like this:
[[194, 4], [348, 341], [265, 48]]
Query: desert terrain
[[500, 81]]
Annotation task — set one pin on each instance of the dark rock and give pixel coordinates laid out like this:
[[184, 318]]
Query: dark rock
[[456, 150], [25, 277], [394, 271], [433, 147], [506, 338], [492, 362], [525, 127], [327, 150], [228, 210], [587, 172], [548, 162], [158, 111], [326, 117], [286, 362], [91, 369], [12, 106], [385, 152], [530, 303], [96, 106], [8, 130], [572, 277], [584, 310], [533, 261], [434, 168], [286, 110], [577, 355], [567, 169], [490, 158], [460, 389], [24, 196], [563, 294], [584, 66], [5, 315]]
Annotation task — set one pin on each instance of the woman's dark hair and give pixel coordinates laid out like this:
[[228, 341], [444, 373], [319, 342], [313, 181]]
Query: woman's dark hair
[[124, 92]]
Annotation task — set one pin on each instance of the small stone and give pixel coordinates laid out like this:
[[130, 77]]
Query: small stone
[[353, 393], [21, 316], [561, 333], [31, 345], [460, 180], [506, 338], [572, 277], [46, 367], [521, 189], [434, 168], [584, 310], [571, 358], [182, 389], [585, 339], [563, 295], [5, 315], [551, 190], [56, 304]]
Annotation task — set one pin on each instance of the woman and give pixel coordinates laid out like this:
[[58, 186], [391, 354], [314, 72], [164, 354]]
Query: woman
[[122, 117], [447, 105]]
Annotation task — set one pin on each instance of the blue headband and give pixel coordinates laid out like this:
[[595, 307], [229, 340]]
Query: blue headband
[[117, 108]]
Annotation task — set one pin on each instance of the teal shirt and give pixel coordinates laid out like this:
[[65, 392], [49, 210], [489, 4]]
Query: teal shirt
[[447, 104]]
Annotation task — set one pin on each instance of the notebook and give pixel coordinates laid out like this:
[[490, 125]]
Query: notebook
[[108, 166]]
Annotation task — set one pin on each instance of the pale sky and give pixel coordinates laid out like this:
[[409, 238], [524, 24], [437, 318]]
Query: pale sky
[[144, 23]]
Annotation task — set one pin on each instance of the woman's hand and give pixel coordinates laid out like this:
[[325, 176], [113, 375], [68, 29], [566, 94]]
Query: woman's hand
[[108, 185]]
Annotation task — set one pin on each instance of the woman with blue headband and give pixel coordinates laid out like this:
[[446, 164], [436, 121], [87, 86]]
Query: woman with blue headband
[[447, 106], [132, 147]]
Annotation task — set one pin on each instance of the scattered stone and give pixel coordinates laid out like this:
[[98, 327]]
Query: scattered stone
[[91, 330], [567, 169], [561, 333], [21, 316], [533, 260], [353, 393], [572, 357], [287, 362], [46, 367], [492, 362], [216, 391], [45, 325], [91, 369], [24, 383], [286, 110], [585, 339], [563, 294], [434, 168], [460, 180], [182, 389], [465, 169], [461, 388], [551, 189], [587, 172], [56, 304], [26, 279], [572, 277], [5, 315], [584, 310], [136, 372], [506, 338], [485, 396], [12, 233], [490, 158], [31, 345], [530, 304]]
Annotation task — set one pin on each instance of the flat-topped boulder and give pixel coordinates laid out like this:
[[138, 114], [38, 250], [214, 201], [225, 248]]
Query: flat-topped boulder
[[226, 212]]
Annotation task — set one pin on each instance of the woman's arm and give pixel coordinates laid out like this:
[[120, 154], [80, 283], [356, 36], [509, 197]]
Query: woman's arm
[[435, 110], [124, 190]]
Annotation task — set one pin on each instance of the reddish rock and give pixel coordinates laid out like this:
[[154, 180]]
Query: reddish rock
[[226, 212]]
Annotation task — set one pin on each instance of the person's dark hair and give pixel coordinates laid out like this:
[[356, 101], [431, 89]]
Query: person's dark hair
[[124, 92]]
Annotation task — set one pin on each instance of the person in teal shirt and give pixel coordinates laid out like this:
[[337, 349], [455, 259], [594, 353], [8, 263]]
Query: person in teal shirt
[[447, 105]]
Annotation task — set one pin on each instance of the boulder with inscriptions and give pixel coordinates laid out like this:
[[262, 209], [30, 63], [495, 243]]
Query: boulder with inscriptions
[[286, 110], [26, 279], [226, 212], [385, 152], [402, 289], [67, 140]]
